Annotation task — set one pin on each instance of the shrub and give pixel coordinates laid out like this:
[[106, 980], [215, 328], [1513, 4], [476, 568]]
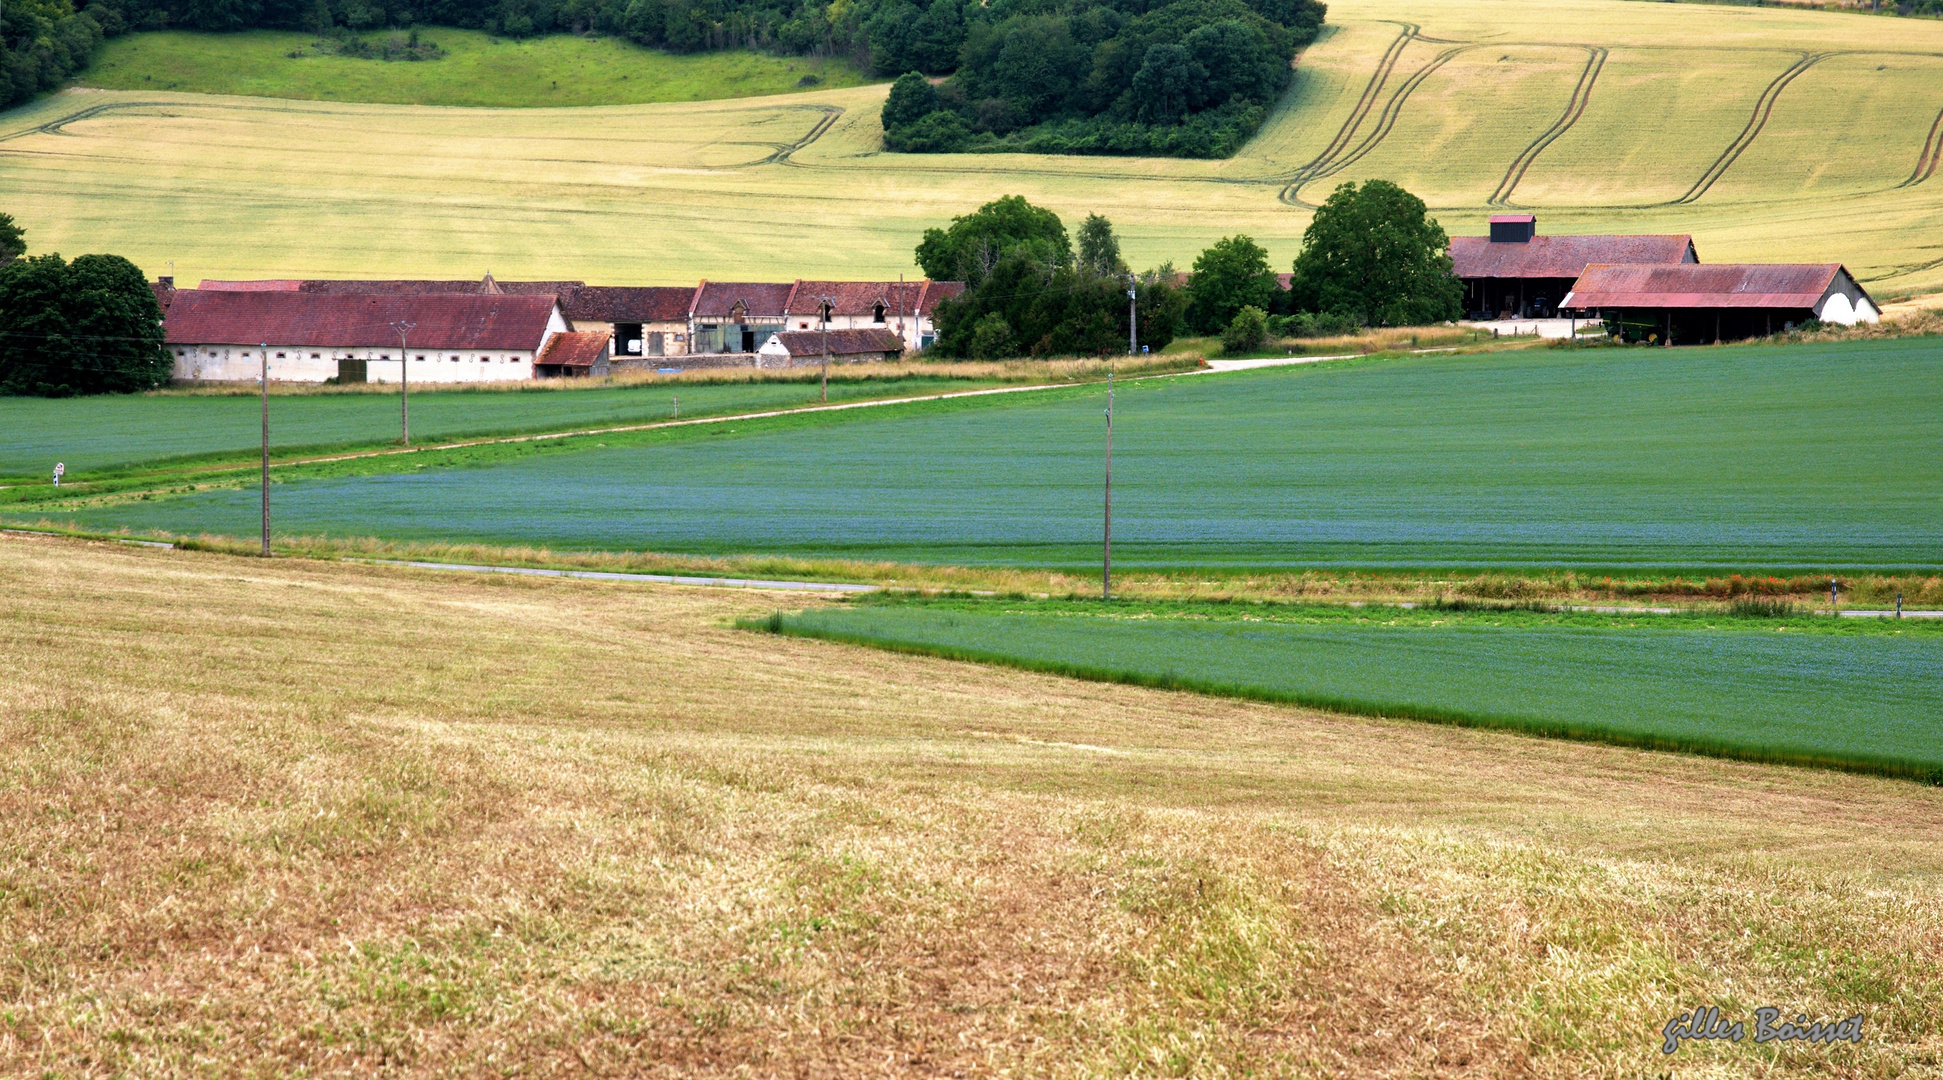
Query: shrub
[[992, 338], [939, 132], [1246, 332]]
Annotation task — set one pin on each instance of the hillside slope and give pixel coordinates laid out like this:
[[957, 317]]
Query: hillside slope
[[1767, 133]]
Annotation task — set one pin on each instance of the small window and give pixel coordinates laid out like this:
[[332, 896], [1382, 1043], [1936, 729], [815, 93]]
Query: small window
[[420, 356], [802, 326], [455, 359], [179, 352], [279, 356]]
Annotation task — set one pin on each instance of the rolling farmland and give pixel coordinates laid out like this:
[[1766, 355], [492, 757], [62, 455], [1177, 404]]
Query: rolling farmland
[[1742, 459], [1809, 690], [1768, 133]]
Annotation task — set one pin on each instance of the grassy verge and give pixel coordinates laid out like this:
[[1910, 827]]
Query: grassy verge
[[476, 70], [1763, 688]]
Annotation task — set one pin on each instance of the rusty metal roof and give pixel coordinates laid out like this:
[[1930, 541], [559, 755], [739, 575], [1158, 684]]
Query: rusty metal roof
[[1561, 256], [1791, 286], [575, 349], [760, 299], [618, 303], [328, 320]]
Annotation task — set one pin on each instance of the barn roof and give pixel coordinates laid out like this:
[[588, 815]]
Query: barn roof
[[614, 303], [1790, 286], [1560, 256], [762, 299], [857, 297], [262, 285], [842, 342], [578, 349], [936, 291], [444, 321]]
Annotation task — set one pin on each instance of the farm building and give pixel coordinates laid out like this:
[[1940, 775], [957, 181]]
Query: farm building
[[1516, 273], [224, 335], [903, 307], [794, 348], [640, 321], [573, 353], [737, 316], [1691, 304]]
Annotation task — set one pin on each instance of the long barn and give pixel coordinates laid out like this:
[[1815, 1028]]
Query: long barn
[[1722, 302], [1516, 273]]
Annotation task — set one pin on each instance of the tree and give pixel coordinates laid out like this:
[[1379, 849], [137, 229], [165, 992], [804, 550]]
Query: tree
[[1099, 249], [939, 133], [87, 327], [911, 99], [974, 244], [991, 337], [1374, 254], [1230, 275], [13, 240], [1246, 332]]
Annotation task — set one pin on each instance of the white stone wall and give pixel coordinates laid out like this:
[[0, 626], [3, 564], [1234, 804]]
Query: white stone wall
[[290, 363]]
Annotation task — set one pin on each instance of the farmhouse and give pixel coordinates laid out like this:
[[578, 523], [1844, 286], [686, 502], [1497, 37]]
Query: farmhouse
[[639, 321], [793, 348], [224, 335], [1516, 273], [905, 308], [736, 316], [1691, 304]]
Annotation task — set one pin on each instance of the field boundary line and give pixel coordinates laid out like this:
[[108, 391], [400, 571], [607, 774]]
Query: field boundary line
[[1595, 62]]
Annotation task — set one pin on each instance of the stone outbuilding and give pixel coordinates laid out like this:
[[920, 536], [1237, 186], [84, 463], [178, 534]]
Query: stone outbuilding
[[796, 348], [574, 353]]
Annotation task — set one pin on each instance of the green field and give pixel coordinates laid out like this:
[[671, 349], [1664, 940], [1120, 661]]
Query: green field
[[1813, 690], [109, 431], [478, 70], [1784, 459], [1596, 114]]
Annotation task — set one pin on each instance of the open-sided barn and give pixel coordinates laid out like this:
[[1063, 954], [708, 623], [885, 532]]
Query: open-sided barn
[[1516, 273], [1725, 301]]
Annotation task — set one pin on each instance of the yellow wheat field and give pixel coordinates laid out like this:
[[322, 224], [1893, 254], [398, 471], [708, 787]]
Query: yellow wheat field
[[1768, 133]]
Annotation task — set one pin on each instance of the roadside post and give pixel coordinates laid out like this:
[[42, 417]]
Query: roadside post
[[263, 355], [404, 383]]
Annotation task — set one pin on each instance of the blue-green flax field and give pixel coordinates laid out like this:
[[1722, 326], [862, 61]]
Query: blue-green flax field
[[1855, 694], [1757, 459]]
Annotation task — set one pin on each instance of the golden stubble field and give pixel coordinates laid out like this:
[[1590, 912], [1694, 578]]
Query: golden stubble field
[[298, 817], [1768, 133]]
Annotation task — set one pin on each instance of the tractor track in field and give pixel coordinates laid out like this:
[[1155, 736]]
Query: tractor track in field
[[1339, 155], [1928, 158], [1595, 62], [1763, 108]]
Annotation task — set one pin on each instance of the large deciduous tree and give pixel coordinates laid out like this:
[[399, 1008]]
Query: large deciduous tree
[[1374, 254], [974, 244], [1230, 275], [86, 327]]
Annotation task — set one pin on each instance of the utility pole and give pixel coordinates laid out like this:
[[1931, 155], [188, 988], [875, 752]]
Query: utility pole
[[829, 305], [404, 382], [1133, 328], [1106, 540], [900, 311], [263, 354]]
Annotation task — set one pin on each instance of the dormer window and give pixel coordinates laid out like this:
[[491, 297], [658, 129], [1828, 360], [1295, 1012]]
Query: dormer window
[[880, 314]]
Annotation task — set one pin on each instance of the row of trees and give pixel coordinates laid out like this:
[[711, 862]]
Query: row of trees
[[89, 326], [1372, 256], [1192, 78]]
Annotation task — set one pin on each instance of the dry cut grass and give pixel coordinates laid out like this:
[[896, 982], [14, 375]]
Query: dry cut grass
[[293, 817]]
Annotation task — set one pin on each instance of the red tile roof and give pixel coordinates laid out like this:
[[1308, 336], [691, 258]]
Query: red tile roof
[[646, 304], [581, 349], [935, 291], [858, 298], [444, 321], [1560, 256], [809, 343], [416, 287], [763, 300], [1791, 286]]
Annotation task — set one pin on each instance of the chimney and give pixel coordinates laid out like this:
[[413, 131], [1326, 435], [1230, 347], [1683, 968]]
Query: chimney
[[1513, 228]]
